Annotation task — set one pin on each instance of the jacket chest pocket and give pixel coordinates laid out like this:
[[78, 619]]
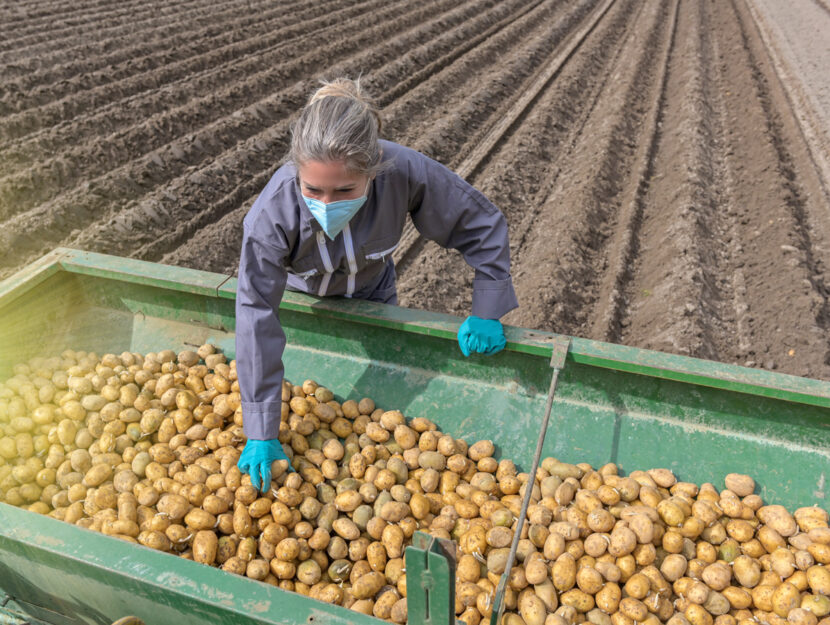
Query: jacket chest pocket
[[380, 249]]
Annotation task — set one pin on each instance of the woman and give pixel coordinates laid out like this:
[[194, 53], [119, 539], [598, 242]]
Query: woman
[[327, 223]]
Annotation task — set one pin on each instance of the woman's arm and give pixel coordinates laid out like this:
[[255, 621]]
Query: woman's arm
[[453, 213], [260, 340]]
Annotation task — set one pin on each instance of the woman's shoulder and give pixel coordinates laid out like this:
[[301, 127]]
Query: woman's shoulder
[[395, 154], [276, 204], [408, 163]]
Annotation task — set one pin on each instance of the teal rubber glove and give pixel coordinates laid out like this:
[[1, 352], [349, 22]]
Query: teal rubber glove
[[482, 336], [256, 461]]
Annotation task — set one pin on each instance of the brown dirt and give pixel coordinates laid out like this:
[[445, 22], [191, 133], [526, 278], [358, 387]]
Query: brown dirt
[[660, 190]]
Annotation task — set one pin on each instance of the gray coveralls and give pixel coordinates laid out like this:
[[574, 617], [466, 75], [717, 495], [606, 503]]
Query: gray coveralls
[[284, 246]]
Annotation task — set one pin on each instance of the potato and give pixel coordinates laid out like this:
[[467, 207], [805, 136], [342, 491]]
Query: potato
[[762, 597], [242, 523], [738, 598], [394, 511], [392, 539], [97, 475], [785, 598], [580, 601], [257, 569], [155, 540], [717, 604], [563, 572], [799, 616], [697, 615], [633, 609], [819, 552], [779, 519], [481, 449], [205, 545], [175, 507], [817, 604], [782, 561], [368, 585], [536, 571], [717, 576], [741, 485], [812, 517], [547, 593], [818, 578], [637, 586], [309, 572], [199, 519], [623, 541], [673, 567], [532, 609]]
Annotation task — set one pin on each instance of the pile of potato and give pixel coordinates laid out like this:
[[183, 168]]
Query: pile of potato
[[145, 448]]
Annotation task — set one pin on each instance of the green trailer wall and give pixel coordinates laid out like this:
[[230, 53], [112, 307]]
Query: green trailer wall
[[637, 408]]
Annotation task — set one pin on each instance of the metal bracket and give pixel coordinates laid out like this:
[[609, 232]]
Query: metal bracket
[[430, 580], [561, 345]]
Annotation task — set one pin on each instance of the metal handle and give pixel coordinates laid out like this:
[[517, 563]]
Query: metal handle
[[561, 344]]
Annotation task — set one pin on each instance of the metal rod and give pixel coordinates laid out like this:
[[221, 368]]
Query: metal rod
[[560, 350]]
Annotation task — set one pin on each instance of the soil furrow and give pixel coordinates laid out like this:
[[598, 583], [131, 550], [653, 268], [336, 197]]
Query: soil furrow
[[277, 135], [525, 170], [512, 112], [101, 37], [183, 87], [25, 12], [20, 49], [214, 247], [679, 296], [26, 188], [460, 105], [55, 19], [578, 217], [387, 76], [784, 248], [430, 69], [42, 227], [624, 245], [20, 124], [519, 175], [231, 39]]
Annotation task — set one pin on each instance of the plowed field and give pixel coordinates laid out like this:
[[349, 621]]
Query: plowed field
[[659, 188]]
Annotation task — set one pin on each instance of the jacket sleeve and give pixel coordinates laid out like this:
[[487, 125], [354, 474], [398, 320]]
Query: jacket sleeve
[[260, 340], [454, 214]]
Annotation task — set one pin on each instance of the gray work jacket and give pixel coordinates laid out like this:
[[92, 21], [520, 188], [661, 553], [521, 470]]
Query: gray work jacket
[[283, 245]]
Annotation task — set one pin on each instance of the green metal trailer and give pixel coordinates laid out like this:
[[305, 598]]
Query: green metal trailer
[[637, 408]]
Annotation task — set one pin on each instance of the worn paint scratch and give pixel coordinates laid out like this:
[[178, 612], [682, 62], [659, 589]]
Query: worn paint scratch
[[257, 607], [176, 581], [819, 493], [214, 593], [49, 541]]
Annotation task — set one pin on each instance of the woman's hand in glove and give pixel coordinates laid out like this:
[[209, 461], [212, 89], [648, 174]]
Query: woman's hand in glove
[[256, 460], [482, 336]]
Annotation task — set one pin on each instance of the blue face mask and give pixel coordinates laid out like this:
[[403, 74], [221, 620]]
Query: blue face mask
[[333, 217]]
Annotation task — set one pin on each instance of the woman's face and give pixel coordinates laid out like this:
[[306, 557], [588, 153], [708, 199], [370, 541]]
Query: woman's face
[[330, 182]]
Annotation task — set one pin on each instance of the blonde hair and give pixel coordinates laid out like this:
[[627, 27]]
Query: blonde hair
[[339, 123]]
